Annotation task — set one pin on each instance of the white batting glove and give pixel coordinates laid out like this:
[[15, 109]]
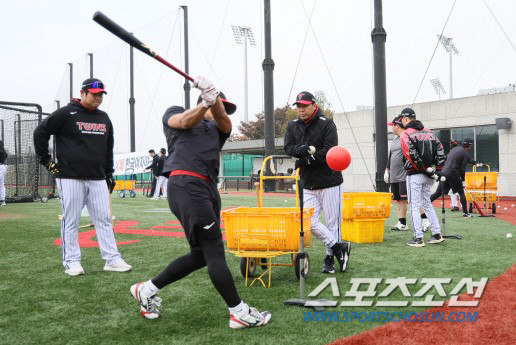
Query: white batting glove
[[311, 150], [209, 97], [202, 83], [386, 176]]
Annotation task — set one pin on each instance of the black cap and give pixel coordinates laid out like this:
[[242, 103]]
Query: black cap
[[93, 85], [151, 151], [304, 97], [163, 150], [408, 112], [230, 107], [467, 142], [396, 121], [454, 143]]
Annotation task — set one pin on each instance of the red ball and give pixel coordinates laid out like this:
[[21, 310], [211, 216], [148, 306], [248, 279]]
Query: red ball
[[338, 158]]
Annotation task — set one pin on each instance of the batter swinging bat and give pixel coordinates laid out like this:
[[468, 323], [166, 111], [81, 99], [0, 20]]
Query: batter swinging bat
[[124, 35]]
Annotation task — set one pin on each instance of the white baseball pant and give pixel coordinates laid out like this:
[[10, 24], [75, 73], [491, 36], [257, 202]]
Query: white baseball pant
[[3, 171], [74, 194], [419, 190], [453, 198], [329, 200], [161, 182]]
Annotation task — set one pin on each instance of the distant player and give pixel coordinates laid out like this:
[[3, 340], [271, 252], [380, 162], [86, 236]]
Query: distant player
[[195, 138], [308, 138], [152, 167], [421, 150], [3, 171], [162, 179], [84, 152]]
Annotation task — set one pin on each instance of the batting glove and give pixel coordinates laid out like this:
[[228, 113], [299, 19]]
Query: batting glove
[[111, 183], [202, 83], [386, 176], [209, 97], [51, 166]]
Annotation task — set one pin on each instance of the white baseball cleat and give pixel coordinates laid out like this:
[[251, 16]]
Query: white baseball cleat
[[400, 227], [148, 304], [74, 269], [118, 265], [253, 318], [425, 223]]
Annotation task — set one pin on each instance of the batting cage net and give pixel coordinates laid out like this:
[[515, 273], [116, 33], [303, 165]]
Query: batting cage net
[[25, 179]]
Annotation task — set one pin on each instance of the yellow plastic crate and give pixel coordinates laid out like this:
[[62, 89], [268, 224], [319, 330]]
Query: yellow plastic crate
[[475, 180], [363, 230], [266, 228], [366, 205], [479, 196], [124, 185]]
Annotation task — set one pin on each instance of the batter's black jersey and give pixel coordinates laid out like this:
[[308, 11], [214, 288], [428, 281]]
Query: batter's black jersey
[[195, 149], [84, 142], [456, 163]]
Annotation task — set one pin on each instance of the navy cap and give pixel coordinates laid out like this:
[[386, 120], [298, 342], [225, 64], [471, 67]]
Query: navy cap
[[408, 112]]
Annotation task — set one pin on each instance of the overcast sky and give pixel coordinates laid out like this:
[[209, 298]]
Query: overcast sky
[[40, 38]]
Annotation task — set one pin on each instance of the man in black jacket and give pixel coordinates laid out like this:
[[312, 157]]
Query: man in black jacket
[[3, 171], [421, 150], [162, 178], [455, 172], [308, 138], [152, 167], [84, 151]]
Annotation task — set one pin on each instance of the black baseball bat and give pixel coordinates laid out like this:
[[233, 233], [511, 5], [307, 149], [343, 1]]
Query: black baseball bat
[[124, 35]]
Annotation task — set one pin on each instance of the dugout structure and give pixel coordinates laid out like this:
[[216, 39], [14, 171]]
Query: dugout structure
[[26, 180]]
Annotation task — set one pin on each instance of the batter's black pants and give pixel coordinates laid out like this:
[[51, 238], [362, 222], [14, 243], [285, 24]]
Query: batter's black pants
[[455, 184]]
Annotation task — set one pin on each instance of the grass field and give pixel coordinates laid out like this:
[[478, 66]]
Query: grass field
[[42, 305]]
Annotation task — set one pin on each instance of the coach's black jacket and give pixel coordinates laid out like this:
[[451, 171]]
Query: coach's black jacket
[[84, 142], [321, 133]]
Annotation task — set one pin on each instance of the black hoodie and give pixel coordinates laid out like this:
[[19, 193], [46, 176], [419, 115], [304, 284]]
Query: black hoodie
[[84, 142]]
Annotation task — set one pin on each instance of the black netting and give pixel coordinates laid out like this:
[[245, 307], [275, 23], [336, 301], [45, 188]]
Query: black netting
[[25, 179]]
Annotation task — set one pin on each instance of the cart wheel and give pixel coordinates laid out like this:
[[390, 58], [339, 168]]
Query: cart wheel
[[44, 199], [470, 207], [493, 207], [132, 194], [252, 266], [263, 262], [306, 270], [121, 194]]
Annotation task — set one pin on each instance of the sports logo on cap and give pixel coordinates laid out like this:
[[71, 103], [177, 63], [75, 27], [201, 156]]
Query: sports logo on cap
[[305, 97]]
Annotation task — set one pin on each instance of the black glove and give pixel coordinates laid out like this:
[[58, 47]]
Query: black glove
[[302, 151], [51, 166], [297, 164], [110, 181]]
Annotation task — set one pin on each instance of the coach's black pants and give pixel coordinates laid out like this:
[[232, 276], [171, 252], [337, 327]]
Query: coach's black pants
[[455, 184], [196, 203]]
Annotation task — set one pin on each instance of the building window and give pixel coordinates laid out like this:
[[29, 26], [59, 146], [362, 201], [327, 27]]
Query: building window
[[486, 146]]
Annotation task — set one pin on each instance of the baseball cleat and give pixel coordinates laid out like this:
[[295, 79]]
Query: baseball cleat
[[328, 266], [467, 215], [400, 227], [454, 209], [74, 269], [343, 255], [437, 238], [254, 318], [416, 242], [425, 223], [148, 304], [118, 266]]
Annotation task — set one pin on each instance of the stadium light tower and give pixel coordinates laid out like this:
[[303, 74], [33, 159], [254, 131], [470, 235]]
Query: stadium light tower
[[243, 35], [438, 87], [449, 46]]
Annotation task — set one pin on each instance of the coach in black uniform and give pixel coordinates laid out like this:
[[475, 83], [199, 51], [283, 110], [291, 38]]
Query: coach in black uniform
[[455, 172], [195, 138], [84, 151], [153, 166]]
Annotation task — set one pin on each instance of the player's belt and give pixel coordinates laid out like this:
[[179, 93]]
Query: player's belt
[[189, 173]]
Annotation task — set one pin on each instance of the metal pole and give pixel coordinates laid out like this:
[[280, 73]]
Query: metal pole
[[379, 36], [268, 68], [451, 78], [71, 79], [246, 115], [131, 100], [91, 64], [17, 138], [186, 86]]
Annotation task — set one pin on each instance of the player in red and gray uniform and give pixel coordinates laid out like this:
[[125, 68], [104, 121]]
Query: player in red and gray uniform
[[195, 138], [84, 151], [421, 150]]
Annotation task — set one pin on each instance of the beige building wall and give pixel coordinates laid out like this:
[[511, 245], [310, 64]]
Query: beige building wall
[[458, 112]]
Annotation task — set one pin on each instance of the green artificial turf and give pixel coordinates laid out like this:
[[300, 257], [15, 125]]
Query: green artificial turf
[[42, 305]]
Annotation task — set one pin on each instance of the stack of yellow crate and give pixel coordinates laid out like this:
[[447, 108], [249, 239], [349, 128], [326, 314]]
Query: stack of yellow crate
[[363, 216]]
